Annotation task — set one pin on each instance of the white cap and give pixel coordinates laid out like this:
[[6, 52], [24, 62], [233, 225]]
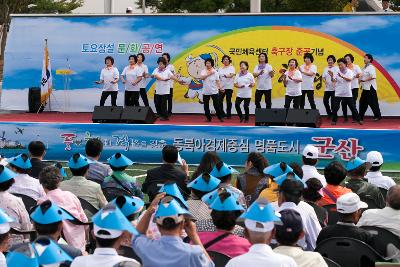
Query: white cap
[[375, 158], [349, 203], [261, 227], [310, 152], [4, 228], [129, 8], [111, 234]]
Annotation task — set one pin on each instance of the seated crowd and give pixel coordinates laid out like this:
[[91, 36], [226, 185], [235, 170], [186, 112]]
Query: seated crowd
[[270, 215]]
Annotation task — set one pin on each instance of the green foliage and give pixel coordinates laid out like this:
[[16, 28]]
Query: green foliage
[[52, 6]]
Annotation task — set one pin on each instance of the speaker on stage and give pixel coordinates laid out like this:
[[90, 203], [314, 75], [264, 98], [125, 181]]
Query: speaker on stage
[[270, 117], [143, 115], [107, 114], [34, 95], [304, 117]]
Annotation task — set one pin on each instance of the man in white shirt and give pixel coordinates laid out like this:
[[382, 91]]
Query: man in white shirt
[[109, 77], [374, 175], [310, 160], [259, 221], [308, 70]]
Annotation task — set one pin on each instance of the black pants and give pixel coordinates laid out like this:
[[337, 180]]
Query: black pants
[[160, 101], [349, 101], [143, 95], [131, 98], [104, 96], [170, 97], [246, 106], [369, 98], [296, 101], [354, 92], [328, 101], [267, 97], [216, 103], [310, 96], [228, 93]]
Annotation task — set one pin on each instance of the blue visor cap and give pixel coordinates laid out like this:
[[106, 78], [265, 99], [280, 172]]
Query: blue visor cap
[[354, 163], [6, 174], [4, 218], [128, 205], [62, 171], [169, 207], [119, 160], [76, 162], [277, 169], [204, 183], [21, 161], [48, 212], [24, 256], [226, 202], [261, 211], [49, 252], [290, 175], [223, 171], [212, 196], [171, 189], [111, 217]]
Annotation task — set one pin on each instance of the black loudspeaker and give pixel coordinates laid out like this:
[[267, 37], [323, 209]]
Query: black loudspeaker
[[270, 117], [107, 114], [34, 95], [304, 117], [143, 115]]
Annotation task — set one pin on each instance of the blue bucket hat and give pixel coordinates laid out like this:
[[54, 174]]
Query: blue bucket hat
[[48, 212], [119, 160], [171, 189], [111, 217], [169, 207], [77, 162], [204, 183], [128, 205], [226, 202], [354, 163], [49, 252], [277, 169], [212, 196], [24, 255], [62, 171], [224, 170], [280, 179], [21, 161], [6, 174]]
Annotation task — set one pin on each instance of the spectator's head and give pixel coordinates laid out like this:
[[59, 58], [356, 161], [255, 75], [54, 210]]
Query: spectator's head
[[6, 178], [50, 178], [37, 149], [354, 3], [207, 163], [170, 154], [129, 206], [256, 160], [375, 159], [308, 58], [291, 229], [61, 169], [109, 61], [93, 148], [5, 221], [310, 155], [223, 172], [119, 162], [290, 191], [296, 169], [225, 211], [356, 168], [129, 10], [170, 216], [79, 165], [349, 207], [203, 184], [368, 58], [385, 4], [312, 191], [393, 197], [20, 164], [335, 173]]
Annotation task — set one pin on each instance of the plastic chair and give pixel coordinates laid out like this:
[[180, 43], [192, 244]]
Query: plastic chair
[[219, 259], [383, 192], [28, 201], [112, 192], [129, 253], [86, 205], [333, 216], [349, 252], [331, 263], [384, 237]]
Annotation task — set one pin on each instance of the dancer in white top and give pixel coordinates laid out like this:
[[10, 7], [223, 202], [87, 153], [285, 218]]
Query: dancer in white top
[[109, 77], [354, 83], [264, 74], [308, 70], [171, 68], [244, 81], [329, 93], [292, 79], [131, 77], [143, 83], [226, 75]]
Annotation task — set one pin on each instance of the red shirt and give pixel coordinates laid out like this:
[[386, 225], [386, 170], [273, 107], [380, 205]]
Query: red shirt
[[335, 191]]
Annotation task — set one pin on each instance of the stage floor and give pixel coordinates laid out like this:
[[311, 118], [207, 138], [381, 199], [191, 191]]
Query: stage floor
[[189, 119]]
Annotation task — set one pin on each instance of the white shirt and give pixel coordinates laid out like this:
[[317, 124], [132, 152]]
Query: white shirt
[[264, 81], [261, 255], [329, 86], [301, 257], [171, 68], [368, 72], [108, 75], [104, 257], [386, 218], [143, 82], [310, 222], [376, 178], [131, 75], [3, 262], [245, 80], [27, 185], [308, 81], [293, 88], [356, 70], [343, 87], [162, 87], [226, 83], [312, 172], [210, 83]]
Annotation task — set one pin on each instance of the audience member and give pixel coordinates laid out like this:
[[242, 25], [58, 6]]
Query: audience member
[[80, 186], [289, 233], [97, 170], [37, 151], [374, 175], [271, 192], [310, 160], [24, 184], [207, 163], [351, 6], [167, 172], [311, 195], [335, 174], [5, 221], [386, 6], [356, 170], [63, 173]]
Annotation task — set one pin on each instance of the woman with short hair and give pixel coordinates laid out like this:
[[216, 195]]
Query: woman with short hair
[[227, 74], [244, 81], [109, 77], [131, 77]]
